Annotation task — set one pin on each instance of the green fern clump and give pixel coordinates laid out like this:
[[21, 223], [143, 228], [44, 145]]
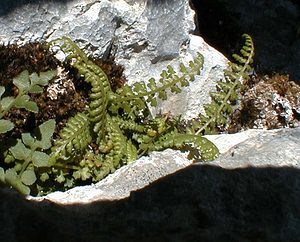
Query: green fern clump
[[218, 111], [116, 128], [113, 131]]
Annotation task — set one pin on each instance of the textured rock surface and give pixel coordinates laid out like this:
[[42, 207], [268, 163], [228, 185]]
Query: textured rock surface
[[143, 36], [202, 202], [277, 148], [250, 148], [125, 180]]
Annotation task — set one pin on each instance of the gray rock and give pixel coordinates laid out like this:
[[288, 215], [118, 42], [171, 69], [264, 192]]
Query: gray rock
[[252, 148], [143, 36], [128, 178], [274, 148]]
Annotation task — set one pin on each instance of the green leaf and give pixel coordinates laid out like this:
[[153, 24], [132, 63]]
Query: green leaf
[[183, 69], [35, 89], [151, 84], [46, 130], [19, 151], [44, 177], [43, 78], [69, 182], [12, 178], [152, 100], [5, 126], [24, 102], [34, 78], [22, 80], [28, 139], [162, 95], [2, 175], [28, 177], [31, 106], [6, 103], [61, 178], [40, 159]]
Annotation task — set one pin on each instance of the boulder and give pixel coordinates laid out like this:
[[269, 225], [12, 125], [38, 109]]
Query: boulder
[[143, 36]]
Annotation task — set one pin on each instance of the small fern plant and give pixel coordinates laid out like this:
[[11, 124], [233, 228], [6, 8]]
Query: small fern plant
[[113, 130], [219, 110]]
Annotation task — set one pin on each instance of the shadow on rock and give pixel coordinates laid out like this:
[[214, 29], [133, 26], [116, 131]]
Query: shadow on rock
[[199, 203]]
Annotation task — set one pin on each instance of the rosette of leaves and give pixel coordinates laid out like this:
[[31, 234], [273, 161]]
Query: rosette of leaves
[[23, 158]]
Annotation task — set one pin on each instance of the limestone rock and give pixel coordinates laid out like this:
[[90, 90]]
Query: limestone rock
[[237, 151], [122, 182], [143, 36], [250, 193]]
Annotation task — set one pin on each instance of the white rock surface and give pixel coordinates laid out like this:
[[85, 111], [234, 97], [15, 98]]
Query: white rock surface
[[144, 36], [125, 180]]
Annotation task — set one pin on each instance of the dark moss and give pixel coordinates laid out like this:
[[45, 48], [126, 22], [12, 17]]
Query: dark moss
[[35, 57]]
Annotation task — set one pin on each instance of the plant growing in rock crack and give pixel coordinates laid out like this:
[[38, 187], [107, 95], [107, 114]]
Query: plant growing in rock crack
[[28, 156], [219, 110], [114, 129]]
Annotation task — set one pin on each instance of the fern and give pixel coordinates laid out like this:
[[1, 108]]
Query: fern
[[74, 138], [115, 129], [95, 76], [131, 98], [114, 121], [217, 112]]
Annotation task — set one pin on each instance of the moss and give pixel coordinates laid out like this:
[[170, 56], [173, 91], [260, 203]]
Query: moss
[[268, 102], [35, 57]]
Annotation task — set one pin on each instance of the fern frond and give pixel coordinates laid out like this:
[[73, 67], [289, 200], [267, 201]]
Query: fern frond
[[92, 74], [206, 149], [116, 155], [217, 112], [74, 138], [140, 92], [129, 124]]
